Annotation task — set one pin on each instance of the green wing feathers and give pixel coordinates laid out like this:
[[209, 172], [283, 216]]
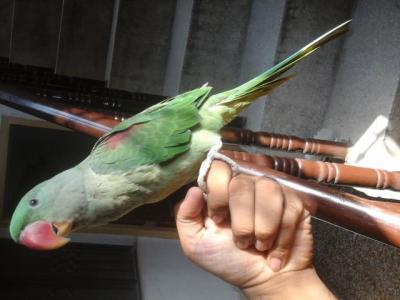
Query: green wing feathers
[[155, 135], [194, 97], [232, 102]]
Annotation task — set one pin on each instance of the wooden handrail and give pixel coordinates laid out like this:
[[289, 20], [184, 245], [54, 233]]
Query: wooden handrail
[[379, 220], [334, 173], [75, 118], [285, 142]]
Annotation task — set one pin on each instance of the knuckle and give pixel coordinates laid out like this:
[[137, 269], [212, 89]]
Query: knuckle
[[219, 165], [264, 234], [269, 186], [240, 184], [305, 215], [217, 168], [289, 225], [242, 232], [295, 207], [217, 177], [217, 205], [281, 251]]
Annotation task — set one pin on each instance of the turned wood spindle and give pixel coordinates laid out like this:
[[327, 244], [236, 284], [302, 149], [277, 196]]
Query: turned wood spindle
[[333, 173], [284, 142]]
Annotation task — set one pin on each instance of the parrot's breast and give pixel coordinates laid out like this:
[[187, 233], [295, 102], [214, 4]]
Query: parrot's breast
[[111, 196]]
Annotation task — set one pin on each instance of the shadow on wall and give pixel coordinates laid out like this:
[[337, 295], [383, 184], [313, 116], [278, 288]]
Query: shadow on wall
[[374, 149]]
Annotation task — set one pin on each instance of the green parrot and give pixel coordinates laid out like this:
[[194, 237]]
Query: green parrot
[[142, 160]]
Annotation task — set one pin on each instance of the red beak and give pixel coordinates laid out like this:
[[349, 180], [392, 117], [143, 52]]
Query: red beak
[[43, 235]]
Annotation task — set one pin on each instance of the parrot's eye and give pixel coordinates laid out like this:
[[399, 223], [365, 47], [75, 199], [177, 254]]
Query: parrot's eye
[[33, 202]]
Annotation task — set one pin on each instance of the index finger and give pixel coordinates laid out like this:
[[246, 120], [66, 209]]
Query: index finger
[[218, 179]]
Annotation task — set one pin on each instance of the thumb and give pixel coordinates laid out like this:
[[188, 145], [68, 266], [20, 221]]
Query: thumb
[[189, 217]]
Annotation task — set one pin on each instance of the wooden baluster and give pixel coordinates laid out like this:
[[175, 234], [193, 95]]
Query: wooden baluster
[[284, 142], [379, 220], [333, 173]]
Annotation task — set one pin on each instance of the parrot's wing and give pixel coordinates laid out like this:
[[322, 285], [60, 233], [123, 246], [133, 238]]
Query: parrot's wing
[[155, 135]]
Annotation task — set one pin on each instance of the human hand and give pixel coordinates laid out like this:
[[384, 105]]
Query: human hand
[[253, 233]]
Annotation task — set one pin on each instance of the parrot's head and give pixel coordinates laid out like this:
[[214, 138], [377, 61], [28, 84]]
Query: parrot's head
[[48, 212]]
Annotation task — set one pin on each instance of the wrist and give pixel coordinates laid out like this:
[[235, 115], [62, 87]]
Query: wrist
[[303, 284]]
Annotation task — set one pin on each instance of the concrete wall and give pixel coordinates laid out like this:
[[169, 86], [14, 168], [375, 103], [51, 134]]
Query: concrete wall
[[6, 20], [179, 40], [40, 21], [368, 69], [84, 38], [298, 107], [165, 273], [216, 38], [143, 34], [259, 51]]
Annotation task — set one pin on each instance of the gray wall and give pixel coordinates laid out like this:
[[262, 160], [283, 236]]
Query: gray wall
[[143, 34], [84, 38], [40, 21], [165, 273], [216, 39], [6, 21], [298, 108], [368, 69], [259, 51]]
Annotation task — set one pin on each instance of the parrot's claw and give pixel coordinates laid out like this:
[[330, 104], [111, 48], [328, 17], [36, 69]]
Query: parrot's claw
[[212, 155]]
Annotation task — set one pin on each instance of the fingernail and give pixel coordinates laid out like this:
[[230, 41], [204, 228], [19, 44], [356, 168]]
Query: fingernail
[[219, 218], [262, 245], [275, 264], [243, 244]]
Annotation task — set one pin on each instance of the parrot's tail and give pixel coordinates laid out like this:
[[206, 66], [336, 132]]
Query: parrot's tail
[[230, 103]]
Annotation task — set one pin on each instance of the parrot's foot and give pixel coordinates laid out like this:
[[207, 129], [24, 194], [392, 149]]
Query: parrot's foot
[[212, 155]]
